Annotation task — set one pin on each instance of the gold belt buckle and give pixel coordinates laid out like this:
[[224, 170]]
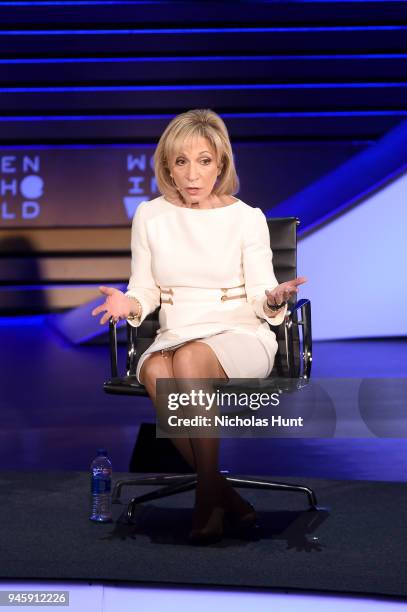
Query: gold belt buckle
[[231, 297], [168, 291]]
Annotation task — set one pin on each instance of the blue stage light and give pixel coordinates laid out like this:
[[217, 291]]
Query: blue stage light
[[291, 114], [119, 32], [212, 87], [205, 58]]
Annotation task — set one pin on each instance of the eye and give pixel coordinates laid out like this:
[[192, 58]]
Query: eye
[[206, 161], [180, 161]]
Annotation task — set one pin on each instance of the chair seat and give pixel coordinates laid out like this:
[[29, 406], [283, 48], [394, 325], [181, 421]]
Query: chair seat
[[124, 385]]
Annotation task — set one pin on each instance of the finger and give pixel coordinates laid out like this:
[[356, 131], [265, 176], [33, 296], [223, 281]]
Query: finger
[[107, 290], [98, 309], [278, 297], [298, 281], [285, 295], [269, 296], [105, 318]]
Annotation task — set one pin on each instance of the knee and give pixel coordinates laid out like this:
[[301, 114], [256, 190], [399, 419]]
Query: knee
[[191, 360], [153, 368]]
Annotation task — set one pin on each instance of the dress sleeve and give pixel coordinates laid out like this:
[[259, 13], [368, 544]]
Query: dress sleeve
[[142, 284], [258, 267]]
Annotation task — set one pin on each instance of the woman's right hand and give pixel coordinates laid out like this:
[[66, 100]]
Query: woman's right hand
[[116, 305]]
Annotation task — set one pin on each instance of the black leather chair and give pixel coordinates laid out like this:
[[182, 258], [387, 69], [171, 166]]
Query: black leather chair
[[293, 364]]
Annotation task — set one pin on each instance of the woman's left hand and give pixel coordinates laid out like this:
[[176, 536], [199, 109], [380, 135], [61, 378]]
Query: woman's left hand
[[283, 292]]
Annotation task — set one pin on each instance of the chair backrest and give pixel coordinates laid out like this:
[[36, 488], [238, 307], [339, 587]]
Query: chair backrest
[[283, 241]]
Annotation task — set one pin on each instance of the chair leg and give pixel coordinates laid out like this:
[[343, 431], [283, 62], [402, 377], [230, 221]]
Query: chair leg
[[172, 489], [172, 484], [254, 483], [161, 480]]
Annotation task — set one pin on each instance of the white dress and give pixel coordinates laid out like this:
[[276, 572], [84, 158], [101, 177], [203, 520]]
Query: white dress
[[208, 269]]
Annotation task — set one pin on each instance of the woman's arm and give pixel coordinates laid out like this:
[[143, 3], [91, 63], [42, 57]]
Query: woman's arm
[[142, 287], [143, 295], [258, 268]]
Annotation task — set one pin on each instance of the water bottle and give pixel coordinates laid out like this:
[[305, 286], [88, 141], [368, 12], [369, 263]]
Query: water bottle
[[101, 484]]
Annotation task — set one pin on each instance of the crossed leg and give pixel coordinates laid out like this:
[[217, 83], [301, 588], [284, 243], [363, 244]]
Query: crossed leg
[[192, 360], [156, 366], [196, 360]]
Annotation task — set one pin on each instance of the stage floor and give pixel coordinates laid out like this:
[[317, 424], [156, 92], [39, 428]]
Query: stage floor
[[353, 545], [55, 413]]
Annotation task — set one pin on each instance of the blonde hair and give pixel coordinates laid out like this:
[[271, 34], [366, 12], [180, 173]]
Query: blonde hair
[[198, 122]]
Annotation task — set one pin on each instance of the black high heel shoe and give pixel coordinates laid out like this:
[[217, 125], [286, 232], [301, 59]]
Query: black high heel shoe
[[213, 530], [244, 522]]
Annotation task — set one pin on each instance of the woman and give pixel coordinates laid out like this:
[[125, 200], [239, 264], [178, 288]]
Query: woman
[[204, 257]]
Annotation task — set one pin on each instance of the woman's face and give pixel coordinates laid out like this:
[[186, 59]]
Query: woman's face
[[194, 169]]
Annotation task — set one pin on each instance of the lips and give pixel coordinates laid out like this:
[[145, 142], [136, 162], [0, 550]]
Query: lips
[[193, 189]]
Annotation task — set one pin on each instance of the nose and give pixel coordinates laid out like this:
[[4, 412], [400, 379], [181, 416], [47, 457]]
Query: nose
[[192, 172]]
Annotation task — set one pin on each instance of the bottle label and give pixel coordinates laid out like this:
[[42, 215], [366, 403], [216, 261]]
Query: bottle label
[[101, 485]]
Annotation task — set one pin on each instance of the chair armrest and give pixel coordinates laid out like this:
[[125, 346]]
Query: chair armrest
[[131, 348], [113, 348], [304, 307]]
